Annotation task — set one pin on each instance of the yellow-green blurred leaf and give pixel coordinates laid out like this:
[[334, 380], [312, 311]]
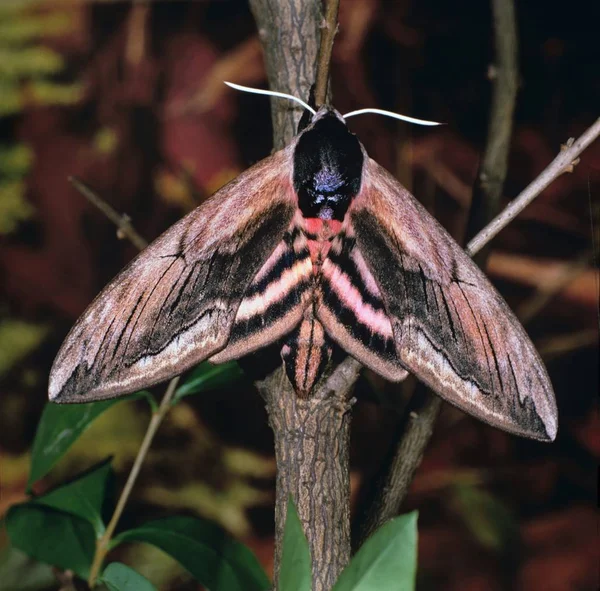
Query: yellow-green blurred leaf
[[173, 190], [248, 463], [106, 140], [20, 28], [226, 507], [11, 98], [52, 93], [17, 340], [117, 432], [14, 208], [29, 61], [155, 564], [486, 517], [15, 161], [14, 468]]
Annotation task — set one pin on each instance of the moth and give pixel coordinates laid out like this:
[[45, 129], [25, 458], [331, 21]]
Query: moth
[[314, 247]]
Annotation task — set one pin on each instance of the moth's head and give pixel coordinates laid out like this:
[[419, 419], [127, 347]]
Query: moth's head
[[324, 113], [327, 121]]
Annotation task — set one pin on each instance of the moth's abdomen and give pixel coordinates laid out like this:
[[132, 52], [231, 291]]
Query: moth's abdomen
[[306, 354], [275, 301]]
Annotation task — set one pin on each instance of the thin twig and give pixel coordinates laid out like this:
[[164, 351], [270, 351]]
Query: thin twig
[[328, 31], [563, 162], [487, 191], [103, 543], [124, 227]]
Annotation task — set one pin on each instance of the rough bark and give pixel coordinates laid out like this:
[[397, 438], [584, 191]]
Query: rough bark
[[289, 33], [311, 450]]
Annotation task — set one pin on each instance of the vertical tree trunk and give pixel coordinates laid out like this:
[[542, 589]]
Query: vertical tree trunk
[[289, 33], [311, 436], [311, 449]]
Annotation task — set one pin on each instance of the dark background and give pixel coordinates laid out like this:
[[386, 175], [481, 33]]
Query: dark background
[[131, 101]]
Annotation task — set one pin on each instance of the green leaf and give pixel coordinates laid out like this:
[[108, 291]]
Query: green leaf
[[208, 377], [216, 560], [120, 577], [295, 572], [82, 497], [387, 561], [486, 517], [53, 537], [59, 427]]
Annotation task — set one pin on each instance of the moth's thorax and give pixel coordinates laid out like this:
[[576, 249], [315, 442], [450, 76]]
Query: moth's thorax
[[319, 233], [328, 162]]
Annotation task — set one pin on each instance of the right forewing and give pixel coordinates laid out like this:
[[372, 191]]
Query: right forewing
[[175, 304], [452, 329]]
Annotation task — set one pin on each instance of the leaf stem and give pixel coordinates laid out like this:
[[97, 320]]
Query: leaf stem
[[103, 543]]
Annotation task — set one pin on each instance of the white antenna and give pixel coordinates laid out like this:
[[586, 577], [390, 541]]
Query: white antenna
[[272, 93], [390, 114], [309, 108]]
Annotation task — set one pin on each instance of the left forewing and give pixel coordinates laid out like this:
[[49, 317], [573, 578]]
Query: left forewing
[[175, 304], [451, 327]]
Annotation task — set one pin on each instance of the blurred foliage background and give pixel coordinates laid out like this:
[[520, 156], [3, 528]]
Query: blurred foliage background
[[129, 97]]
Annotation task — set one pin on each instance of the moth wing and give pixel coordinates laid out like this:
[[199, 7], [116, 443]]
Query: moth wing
[[451, 327], [175, 304]]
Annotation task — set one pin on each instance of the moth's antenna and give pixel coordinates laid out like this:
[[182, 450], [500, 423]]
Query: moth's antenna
[[272, 93], [390, 114]]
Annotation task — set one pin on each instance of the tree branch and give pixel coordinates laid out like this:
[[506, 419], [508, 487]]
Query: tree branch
[[564, 162], [328, 32], [289, 34], [124, 227], [311, 436], [487, 191]]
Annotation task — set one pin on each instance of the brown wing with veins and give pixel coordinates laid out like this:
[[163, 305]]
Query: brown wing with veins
[[176, 303], [451, 327]]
